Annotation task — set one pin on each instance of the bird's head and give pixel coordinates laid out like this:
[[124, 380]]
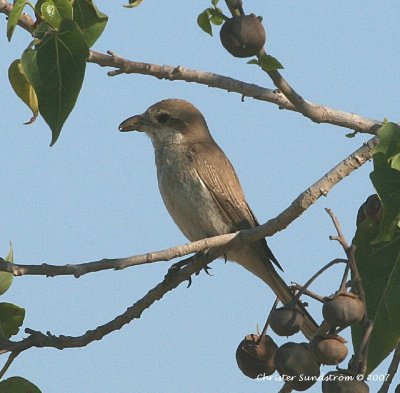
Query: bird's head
[[169, 121]]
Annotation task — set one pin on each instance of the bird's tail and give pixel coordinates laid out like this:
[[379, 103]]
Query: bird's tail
[[262, 267]]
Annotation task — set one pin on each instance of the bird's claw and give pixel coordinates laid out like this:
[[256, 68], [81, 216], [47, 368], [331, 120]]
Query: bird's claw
[[207, 270], [176, 267]]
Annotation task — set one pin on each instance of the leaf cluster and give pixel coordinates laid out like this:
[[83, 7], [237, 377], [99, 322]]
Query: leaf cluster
[[50, 73], [378, 250]]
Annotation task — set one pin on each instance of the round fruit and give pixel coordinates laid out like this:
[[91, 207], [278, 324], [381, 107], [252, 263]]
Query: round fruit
[[329, 349], [343, 310], [337, 382], [255, 356], [243, 36], [372, 209], [286, 321], [297, 365]]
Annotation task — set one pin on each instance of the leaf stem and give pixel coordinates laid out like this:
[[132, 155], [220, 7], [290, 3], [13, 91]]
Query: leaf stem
[[7, 364]]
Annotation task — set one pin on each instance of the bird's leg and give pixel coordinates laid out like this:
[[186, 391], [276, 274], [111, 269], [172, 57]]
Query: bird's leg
[[177, 266]]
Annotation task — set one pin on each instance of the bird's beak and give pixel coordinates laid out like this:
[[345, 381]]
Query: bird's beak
[[134, 123]]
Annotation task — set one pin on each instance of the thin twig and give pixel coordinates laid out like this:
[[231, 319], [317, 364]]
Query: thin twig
[[314, 276], [307, 292], [356, 278], [7, 364], [266, 325], [359, 363], [340, 237]]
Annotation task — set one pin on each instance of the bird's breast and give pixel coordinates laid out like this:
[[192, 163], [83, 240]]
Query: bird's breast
[[187, 199]]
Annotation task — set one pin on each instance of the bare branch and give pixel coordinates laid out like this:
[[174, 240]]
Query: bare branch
[[171, 281], [325, 114], [320, 188], [307, 292]]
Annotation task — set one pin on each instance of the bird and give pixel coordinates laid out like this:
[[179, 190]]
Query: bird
[[201, 189]]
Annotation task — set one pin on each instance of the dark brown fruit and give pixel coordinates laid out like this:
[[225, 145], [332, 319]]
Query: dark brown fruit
[[296, 362], [372, 209], [343, 310], [286, 321], [255, 357], [336, 382], [329, 349], [243, 36]]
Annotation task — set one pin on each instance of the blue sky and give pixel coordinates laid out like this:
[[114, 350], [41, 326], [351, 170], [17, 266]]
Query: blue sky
[[94, 194]]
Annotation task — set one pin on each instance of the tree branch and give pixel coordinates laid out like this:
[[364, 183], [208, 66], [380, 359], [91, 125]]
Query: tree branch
[[320, 188], [171, 281], [284, 98], [327, 115]]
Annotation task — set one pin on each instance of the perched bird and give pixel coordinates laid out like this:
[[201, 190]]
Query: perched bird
[[200, 188]]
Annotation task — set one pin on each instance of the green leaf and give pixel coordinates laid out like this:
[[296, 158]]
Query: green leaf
[[64, 7], [18, 385], [22, 88], [269, 63], [379, 268], [378, 251], [387, 183], [6, 279], [15, 13], [11, 319], [214, 3], [133, 3], [50, 14], [91, 21], [388, 148], [203, 20], [217, 17], [351, 134], [386, 179], [253, 61], [56, 68]]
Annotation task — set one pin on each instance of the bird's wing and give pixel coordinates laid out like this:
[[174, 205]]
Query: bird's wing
[[218, 175]]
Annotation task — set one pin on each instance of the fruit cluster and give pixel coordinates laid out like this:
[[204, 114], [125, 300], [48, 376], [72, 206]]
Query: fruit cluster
[[299, 363]]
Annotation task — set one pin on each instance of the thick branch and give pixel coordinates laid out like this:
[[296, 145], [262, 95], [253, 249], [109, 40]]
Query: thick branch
[[297, 207]]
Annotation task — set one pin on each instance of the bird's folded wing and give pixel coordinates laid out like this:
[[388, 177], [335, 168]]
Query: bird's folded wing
[[218, 175]]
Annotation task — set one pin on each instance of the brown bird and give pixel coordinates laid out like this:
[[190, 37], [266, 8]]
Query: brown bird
[[200, 188]]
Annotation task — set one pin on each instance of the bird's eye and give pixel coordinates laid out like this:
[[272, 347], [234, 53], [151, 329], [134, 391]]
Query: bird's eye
[[162, 118]]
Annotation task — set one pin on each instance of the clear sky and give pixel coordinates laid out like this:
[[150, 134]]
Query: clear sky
[[94, 194]]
